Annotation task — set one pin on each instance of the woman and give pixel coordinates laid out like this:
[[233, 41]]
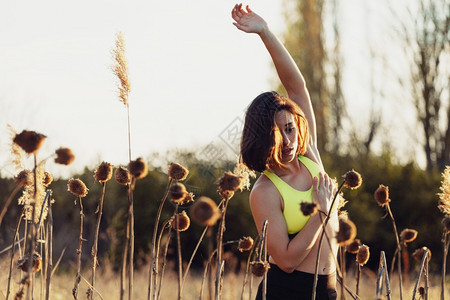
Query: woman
[[279, 139]]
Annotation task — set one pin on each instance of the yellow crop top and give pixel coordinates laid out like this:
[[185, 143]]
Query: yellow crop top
[[295, 220]]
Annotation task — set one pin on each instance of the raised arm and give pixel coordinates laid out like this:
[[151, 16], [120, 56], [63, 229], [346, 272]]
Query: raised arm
[[288, 72]]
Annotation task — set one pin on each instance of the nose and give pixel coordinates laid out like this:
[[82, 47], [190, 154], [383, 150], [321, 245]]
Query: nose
[[286, 140]]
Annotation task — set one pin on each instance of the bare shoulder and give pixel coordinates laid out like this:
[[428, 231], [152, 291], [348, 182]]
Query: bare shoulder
[[264, 196], [263, 189]]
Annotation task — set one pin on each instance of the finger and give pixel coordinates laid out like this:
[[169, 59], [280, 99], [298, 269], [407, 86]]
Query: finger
[[248, 9], [233, 11], [315, 184]]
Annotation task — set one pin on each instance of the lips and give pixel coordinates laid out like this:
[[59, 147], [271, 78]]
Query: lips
[[287, 151]]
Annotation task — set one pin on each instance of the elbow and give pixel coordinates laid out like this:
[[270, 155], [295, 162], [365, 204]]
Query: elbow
[[287, 267]]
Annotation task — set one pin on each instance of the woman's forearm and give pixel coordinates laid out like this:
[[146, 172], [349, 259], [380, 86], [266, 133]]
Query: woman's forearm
[[288, 72]]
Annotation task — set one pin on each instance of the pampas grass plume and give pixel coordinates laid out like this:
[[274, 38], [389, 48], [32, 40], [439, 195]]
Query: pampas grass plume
[[444, 197], [120, 69]]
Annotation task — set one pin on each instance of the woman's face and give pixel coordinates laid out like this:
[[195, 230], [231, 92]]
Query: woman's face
[[287, 126]]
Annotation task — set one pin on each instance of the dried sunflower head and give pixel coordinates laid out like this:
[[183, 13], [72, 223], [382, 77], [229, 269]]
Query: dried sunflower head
[[228, 184], [362, 257], [177, 171], [347, 231], [77, 187], [47, 180], [352, 179], [408, 235], [245, 244], [25, 178], [104, 172], [382, 195], [122, 176], [138, 168], [259, 268], [181, 221], [24, 261], [353, 247], [419, 253], [205, 211], [29, 141], [308, 209], [177, 192], [64, 156]]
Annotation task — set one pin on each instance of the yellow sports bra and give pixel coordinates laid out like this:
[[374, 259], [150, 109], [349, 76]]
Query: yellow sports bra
[[295, 220]]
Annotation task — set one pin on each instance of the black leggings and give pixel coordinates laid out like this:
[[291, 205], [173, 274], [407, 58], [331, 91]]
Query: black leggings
[[297, 285]]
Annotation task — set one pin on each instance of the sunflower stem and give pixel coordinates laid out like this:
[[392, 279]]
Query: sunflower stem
[[421, 269], [399, 250], [12, 254], [95, 245], [49, 250], [79, 251], [153, 263]]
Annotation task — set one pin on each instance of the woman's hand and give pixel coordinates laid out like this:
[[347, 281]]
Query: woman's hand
[[323, 193], [247, 20]]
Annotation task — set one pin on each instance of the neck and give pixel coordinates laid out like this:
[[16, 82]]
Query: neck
[[291, 167]]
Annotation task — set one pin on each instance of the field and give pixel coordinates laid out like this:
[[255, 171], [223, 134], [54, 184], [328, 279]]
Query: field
[[108, 285]]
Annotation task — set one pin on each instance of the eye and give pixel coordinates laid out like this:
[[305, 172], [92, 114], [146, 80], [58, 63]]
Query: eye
[[290, 129]]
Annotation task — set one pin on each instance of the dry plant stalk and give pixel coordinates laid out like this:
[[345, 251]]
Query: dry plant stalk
[[381, 195], [154, 257], [102, 174], [383, 274], [16, 232], [423, 268], [8, 202], [79, 189], [247, 266], [352, 180], [49, 250], [228, 184], [79, 251]]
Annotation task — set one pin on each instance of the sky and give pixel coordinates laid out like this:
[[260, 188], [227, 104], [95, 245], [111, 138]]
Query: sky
[[192, 75]]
